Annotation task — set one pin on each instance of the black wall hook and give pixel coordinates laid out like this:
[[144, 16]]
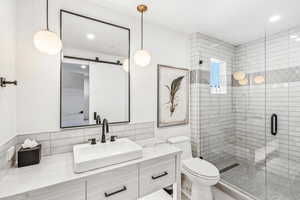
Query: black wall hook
[[3, 82]]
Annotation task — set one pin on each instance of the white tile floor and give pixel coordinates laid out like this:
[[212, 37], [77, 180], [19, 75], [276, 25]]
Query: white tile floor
[[260, 182], [162, 195], [219, 195]]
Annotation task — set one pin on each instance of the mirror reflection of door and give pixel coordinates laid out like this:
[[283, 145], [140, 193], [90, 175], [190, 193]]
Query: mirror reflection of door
[[95, 71], [75, 84]]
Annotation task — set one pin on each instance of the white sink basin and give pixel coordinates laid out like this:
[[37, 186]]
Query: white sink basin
[[88, 157]]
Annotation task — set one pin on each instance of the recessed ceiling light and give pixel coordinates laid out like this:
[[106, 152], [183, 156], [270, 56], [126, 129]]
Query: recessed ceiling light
[[298, 39], [294, 36], [90, 36], [274, 18], [83, 66]]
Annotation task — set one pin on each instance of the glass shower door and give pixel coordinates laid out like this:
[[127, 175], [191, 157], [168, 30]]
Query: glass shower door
[[246, 171], [283, 115]]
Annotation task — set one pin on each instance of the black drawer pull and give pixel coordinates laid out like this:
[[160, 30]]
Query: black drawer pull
[[159, 176], [116, 192]]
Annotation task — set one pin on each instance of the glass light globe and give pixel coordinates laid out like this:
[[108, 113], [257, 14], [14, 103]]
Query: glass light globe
[[243, 82], [142, 58], [47, 42], [239, 75], [259, 79], [126, 65]]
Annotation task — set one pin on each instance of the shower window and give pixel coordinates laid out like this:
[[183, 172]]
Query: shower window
[[218, 81]]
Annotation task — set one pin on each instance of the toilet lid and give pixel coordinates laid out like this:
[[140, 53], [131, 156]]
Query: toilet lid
[[200, 168]]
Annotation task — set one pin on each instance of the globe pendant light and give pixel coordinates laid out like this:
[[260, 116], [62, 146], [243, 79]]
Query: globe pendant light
[[142, 57], [239, 76], [243, 82], [47, 41], [259, 79]]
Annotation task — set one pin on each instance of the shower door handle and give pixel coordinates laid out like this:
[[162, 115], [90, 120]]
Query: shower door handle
[[274, 120]]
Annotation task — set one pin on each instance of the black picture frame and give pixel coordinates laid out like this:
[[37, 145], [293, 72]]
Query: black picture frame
[[62, 11]]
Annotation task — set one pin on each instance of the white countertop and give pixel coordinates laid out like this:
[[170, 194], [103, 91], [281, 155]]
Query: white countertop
[[58, 169]]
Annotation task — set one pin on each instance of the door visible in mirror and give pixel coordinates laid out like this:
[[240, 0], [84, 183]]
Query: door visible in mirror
[[95, 71]]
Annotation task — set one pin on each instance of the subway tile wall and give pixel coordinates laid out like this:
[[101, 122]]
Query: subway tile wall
[[277, 58], [212, 120], [238, 123], [4, 165]]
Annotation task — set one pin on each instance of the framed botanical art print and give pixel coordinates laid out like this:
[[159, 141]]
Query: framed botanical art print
[[173, 96]]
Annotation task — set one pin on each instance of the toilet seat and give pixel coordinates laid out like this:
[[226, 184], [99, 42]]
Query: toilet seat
[[201, 169]]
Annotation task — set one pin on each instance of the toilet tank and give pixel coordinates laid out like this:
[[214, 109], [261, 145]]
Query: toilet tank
[[184, 144]]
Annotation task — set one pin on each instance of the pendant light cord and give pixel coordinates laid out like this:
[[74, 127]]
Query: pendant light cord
[[47, 14], [142, 31]]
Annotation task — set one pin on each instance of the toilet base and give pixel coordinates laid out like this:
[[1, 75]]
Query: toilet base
[[201, 192]]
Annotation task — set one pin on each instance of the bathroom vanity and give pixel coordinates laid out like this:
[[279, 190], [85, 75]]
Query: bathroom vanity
[[54, 179]]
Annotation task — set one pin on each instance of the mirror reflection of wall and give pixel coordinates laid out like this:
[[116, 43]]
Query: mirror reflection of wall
[[85, 85], [95, 71], [75, 87], [108, 92]]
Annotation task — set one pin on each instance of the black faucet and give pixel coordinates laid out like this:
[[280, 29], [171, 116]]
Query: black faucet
[[98, 120], [104, 128]]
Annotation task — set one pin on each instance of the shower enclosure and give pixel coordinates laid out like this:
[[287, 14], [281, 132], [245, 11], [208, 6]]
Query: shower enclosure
[[251, 132]]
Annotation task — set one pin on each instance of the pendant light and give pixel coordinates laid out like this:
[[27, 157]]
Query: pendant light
[[47, 41], [259, 79], [142, 57], [239, 76], [243, 82]]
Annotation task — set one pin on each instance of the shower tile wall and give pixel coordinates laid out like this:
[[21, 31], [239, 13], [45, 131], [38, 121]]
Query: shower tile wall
[[249, 103], [212, 124], [254, 103], [236, 124]]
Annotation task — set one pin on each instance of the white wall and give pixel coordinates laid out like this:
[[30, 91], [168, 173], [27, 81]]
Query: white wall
[[7, 69], [108, 92], [38, 95]]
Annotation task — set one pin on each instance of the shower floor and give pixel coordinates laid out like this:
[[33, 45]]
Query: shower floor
[[254, 180]]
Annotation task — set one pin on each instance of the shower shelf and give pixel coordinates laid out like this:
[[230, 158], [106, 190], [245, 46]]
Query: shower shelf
[[247, 151]]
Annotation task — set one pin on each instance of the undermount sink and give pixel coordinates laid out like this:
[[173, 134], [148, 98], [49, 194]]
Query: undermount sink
[[88, 157]]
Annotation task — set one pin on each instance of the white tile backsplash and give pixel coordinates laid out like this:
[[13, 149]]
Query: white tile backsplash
[[63, 141]]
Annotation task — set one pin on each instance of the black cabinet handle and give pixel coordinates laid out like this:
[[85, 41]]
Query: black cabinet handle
[[274, 120], [116, 192], [159, 176]]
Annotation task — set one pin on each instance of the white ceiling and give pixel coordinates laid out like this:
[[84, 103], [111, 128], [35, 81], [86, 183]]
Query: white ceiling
[[234, 21]]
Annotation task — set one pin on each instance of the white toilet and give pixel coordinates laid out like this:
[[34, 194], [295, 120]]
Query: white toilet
[[203, 174]]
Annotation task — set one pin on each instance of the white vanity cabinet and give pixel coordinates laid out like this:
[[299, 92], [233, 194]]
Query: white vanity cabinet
[[74, 190], [118, 184], [131, 183], [156, 174], [53, 178]]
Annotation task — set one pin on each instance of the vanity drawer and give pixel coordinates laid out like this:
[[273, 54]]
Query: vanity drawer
[[157, 174], [118, 184]]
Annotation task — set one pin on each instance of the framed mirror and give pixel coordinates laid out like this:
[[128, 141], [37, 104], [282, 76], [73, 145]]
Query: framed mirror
[[95, 71]]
